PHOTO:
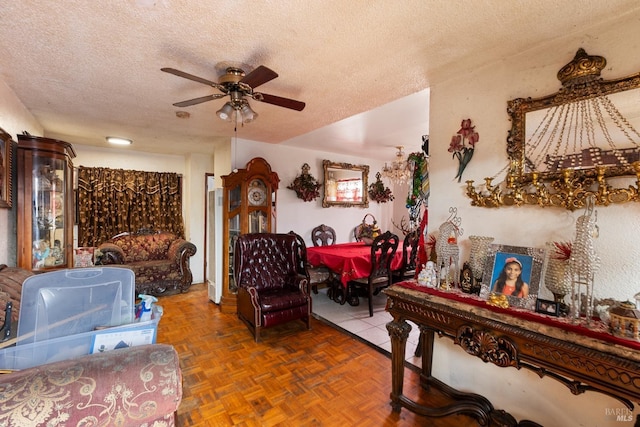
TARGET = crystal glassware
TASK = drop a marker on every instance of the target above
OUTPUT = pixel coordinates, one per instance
(478, 256)
(557, 277)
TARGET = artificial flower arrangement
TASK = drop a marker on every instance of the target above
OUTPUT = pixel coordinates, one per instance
(463, 144)
(378, 192)
(561, 251)
(305, 185)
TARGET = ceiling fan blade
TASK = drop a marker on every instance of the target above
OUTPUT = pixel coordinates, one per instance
(198, 100)
(280, 101)
(259, 76)
(192, 77)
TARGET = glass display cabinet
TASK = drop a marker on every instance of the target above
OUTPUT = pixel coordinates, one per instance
(45, 203)
(249, 206)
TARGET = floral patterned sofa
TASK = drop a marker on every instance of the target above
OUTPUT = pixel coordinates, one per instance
(135, 386)
(159, 259)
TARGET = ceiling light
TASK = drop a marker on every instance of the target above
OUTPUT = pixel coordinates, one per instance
(226, 112)
(118, 141)
(248, 115)
(398, 171)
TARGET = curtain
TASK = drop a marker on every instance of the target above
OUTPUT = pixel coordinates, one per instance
(112, 201)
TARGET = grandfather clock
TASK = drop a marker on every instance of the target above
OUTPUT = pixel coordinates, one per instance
(249, 206)
(45, 203)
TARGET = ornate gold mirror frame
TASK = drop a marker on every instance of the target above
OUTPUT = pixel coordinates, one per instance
(345, 185)
(573, 144)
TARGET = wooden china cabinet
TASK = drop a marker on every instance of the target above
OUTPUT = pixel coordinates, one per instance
(249, 206)
(45, 203)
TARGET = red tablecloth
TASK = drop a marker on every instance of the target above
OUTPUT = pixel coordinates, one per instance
(349, 260)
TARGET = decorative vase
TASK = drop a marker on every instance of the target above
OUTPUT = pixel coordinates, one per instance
(557, 277)
(478, 256)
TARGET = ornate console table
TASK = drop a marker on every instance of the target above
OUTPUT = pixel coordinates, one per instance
(593, 361)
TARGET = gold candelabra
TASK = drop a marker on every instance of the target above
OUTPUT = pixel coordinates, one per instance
(570, 188)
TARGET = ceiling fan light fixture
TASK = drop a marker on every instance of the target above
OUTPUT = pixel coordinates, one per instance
(239, 87)
(226, 112)
(248, 115)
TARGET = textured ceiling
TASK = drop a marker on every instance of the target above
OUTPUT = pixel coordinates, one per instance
(87, 69)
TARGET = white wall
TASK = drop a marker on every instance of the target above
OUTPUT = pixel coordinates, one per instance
(14, 119)
(300, 216)
(482, 95)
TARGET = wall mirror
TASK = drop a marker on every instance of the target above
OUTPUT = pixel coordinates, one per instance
(580, 142)
(345, 185)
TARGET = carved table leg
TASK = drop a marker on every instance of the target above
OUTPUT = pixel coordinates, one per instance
(398, 332)
(470, 404)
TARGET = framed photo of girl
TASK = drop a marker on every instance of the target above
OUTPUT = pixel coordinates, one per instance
(6, 153)
(515, 272)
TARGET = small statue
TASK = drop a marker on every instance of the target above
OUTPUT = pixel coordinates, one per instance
(428, 276)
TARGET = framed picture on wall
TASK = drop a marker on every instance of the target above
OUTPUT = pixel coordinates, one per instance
(6, 160)
(515, 272)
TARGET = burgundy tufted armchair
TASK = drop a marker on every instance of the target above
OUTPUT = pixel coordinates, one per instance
(270, 289)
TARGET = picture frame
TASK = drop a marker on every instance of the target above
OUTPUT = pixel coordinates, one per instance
(6, 162)
(531, 261)
(467, 282)
(548, 307)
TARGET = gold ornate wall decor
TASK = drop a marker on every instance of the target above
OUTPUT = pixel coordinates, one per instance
(579, 142)
(345, 185)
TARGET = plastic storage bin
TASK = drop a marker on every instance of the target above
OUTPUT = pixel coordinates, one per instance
(68, 347)
(74, 301)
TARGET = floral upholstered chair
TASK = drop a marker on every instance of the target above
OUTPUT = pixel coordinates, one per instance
(134, 386)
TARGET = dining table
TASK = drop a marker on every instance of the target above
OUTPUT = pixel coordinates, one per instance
(348, 261)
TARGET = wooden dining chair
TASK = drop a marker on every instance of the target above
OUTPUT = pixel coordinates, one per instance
(323, 235)
(407, 269)
(383, 249)
(315, 275)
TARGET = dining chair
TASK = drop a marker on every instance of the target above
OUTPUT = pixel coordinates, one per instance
(315, 275)
(407, 269)
(323, 235)
(383, 249)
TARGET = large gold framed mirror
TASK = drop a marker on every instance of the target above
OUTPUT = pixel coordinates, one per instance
(345, 185)
(578, 143)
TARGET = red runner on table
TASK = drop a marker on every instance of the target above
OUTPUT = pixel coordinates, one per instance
(600, 332)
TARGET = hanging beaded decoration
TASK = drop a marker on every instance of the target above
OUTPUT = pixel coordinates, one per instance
(584, 264)
(447, 251)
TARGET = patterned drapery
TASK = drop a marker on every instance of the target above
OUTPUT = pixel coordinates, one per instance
(112, 201)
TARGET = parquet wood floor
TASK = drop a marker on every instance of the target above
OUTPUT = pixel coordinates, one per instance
(293, 377)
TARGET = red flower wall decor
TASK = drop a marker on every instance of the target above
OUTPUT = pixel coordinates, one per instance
(462, 145)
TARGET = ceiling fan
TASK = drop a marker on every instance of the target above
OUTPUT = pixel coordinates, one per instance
(238, 86)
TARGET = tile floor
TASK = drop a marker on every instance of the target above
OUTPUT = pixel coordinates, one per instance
(356, 321)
